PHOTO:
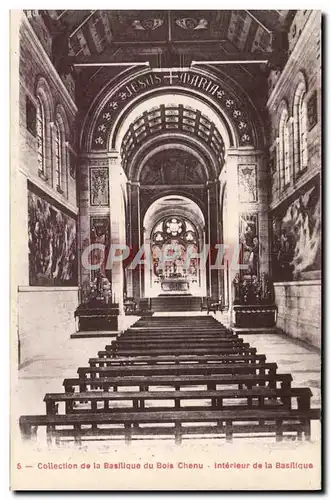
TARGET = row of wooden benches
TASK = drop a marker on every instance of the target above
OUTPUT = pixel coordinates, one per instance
(135, 366)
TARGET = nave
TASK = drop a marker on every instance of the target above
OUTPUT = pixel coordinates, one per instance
(179, 377)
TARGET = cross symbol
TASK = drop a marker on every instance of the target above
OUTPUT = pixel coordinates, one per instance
(170, 76)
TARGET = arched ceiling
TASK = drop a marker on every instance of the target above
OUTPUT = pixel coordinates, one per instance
(173, 205)
(167, 118)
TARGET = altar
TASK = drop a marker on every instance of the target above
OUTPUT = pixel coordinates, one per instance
(173, 284)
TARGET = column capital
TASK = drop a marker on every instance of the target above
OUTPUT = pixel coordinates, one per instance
(134, 183)
(210, 184)
(243, 151)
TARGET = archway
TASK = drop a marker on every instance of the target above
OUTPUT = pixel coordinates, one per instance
(174, 232)
(184, 141)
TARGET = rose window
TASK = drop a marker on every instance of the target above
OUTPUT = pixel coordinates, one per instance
(174, 227)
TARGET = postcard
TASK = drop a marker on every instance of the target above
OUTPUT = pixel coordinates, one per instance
(166, 243)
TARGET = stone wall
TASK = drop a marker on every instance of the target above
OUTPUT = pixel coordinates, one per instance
(45, 320)
(299, 301)
(299, 309)
(304, 64)
(42, 316)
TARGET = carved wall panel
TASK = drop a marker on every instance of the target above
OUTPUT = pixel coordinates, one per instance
(247, 183)
(99, 186)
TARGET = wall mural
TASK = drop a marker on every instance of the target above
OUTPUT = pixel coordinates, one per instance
(100, 233)
(99, 186)
(52, 244)
(296, 239)
(249, 240)
(247, 183)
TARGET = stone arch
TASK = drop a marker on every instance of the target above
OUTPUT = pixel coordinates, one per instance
(42, 90)
(166, 142)
(121, 95)
(61, 121)
(300, 131)
(44, 94)
(61, 117)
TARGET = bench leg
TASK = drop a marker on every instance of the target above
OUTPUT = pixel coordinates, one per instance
(26, 431)
(82, 386)
(135, 404)
(51, 408)
(228, 430)
(77, 434)
(279, 432)
(69, 407)
(307, 429)
(303, 403)
(219, 403)
(49, 434)
(128, 433)
(178, 433)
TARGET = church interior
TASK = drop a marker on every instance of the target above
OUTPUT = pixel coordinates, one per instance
(166, 214)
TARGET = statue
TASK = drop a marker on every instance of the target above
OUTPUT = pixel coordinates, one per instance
(236, 286)
(253, 260)
(266, 289)
(100, 288)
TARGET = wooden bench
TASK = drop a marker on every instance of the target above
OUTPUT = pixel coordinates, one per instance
(208, 381)
(179, 336)
(177, 330)
(175, 360)
(243, 349)
(108, 371)
(233, 339)
(225, 423)
(173, 344)
(149, 351)
(258, 397)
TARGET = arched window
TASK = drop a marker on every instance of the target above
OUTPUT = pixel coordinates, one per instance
(284, 149)
(58, 156)
(300, 127)
(44, 117)
(286, 139)
(40, 126)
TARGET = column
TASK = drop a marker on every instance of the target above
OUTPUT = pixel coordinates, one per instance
(214, 238)
(135, 236)
(231, 222)
(94, 205)
(247, 196)
(117, 224)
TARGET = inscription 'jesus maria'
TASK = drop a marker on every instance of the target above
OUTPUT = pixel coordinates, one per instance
(178, 77)
(174, 77)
